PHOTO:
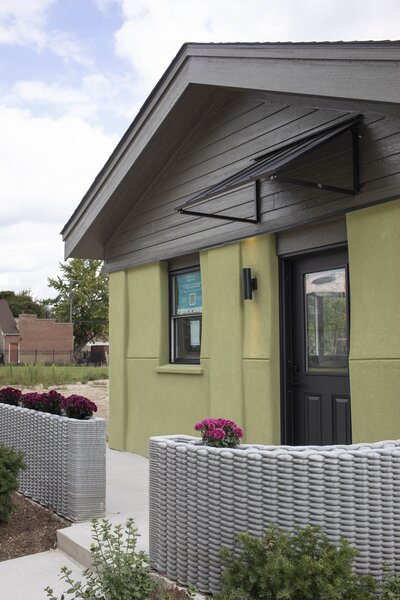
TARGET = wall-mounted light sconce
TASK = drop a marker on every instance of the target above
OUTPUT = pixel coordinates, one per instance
(249, 284)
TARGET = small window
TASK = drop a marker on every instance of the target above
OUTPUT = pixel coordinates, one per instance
(186, 309)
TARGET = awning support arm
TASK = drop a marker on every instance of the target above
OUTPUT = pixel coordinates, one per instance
(330, 188)
(256, 206)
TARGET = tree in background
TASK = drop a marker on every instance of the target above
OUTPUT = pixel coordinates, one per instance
(82, 298)
(23, 303)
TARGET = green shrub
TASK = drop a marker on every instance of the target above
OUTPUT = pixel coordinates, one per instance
(303, 565)
(11, 463)
(118, 571)
(390, 587)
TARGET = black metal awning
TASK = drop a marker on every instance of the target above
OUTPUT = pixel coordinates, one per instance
(271, 164)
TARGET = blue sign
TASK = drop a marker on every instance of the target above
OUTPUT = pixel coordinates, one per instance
(189, 297)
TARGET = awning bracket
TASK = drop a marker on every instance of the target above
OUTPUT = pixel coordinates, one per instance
(330, 188)
(270, 167)
(256, 207)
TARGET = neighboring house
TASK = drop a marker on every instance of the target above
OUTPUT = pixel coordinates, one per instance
(96, 351)
(279, 158)
(9, 335)
(27, 339)
(45, 340)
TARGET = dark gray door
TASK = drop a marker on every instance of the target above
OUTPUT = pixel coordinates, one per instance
(317, 378)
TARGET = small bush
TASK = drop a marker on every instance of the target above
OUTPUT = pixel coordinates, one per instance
(10, 395)
(299, 566)
(78, 407)
(390, 586)
(118, 571)
(11, 463)
(49, 402)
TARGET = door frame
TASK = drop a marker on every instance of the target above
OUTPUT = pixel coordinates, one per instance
(285, 334)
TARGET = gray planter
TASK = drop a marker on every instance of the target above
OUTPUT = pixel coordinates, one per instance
(200, 497)
(66, 469)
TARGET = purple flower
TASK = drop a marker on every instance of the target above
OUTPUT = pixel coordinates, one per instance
(218, 433)
(78, 407)
(237, 431)
(10, 395)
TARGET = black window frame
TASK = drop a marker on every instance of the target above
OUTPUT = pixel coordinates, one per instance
(173, 317)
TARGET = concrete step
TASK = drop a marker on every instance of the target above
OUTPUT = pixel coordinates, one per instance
(26, 577)
(76, 540)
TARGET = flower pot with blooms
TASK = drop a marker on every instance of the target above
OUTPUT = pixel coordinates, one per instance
(219, 433)
(78, 407)
(10, 395)
(49, 402)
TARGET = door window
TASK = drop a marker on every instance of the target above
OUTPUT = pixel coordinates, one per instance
(327, 328)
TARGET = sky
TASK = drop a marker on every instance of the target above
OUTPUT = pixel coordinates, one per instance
(74, 73)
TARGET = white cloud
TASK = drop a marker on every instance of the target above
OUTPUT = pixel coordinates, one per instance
(101, 99)
(67, 47)
(30, 253)
(45, 168)
(47, 164)
(105, 5)
(154, 30)
(23, 21)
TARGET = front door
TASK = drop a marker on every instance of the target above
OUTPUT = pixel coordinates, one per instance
(316, 339)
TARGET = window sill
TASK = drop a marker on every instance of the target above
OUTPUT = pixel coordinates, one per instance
(181, 369)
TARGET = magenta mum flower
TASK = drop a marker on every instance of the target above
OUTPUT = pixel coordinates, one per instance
(220, 433)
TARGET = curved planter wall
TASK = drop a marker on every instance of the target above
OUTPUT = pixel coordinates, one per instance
(65, 458)
(200, 497)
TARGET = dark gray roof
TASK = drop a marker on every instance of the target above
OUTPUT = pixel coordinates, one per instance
(319, 70)
(7, 321)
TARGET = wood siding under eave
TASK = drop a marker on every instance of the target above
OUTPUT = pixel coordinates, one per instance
(238, 129)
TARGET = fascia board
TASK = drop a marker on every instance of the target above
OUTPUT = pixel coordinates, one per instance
(363, 51)
(364, 81)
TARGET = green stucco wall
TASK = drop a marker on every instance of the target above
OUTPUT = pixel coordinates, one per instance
(239, 372)
(374, 257)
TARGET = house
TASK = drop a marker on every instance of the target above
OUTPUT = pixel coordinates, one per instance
(250, 223)
(45, 340)
(96, 351)
(9, 334)
(28, 339)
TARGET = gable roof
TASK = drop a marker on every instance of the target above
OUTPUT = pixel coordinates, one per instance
(365, 72)
(7, 321)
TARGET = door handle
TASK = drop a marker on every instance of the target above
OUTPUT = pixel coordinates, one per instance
(296, 384)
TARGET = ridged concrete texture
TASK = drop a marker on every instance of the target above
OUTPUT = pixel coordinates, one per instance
(201, 496)
(65, 459)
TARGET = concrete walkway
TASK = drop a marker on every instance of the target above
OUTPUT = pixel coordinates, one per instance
(127, 496)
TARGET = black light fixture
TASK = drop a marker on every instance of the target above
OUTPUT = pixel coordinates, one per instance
(249, 284)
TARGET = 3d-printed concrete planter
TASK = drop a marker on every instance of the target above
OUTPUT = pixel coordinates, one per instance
(200, 497)
(65, 459)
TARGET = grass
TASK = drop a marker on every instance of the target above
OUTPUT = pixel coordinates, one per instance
(32, 375)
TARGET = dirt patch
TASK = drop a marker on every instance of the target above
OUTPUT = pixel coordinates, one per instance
(31, 529)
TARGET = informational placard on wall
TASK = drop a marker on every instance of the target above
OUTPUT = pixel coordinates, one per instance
(189, 296)
(195, 332)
